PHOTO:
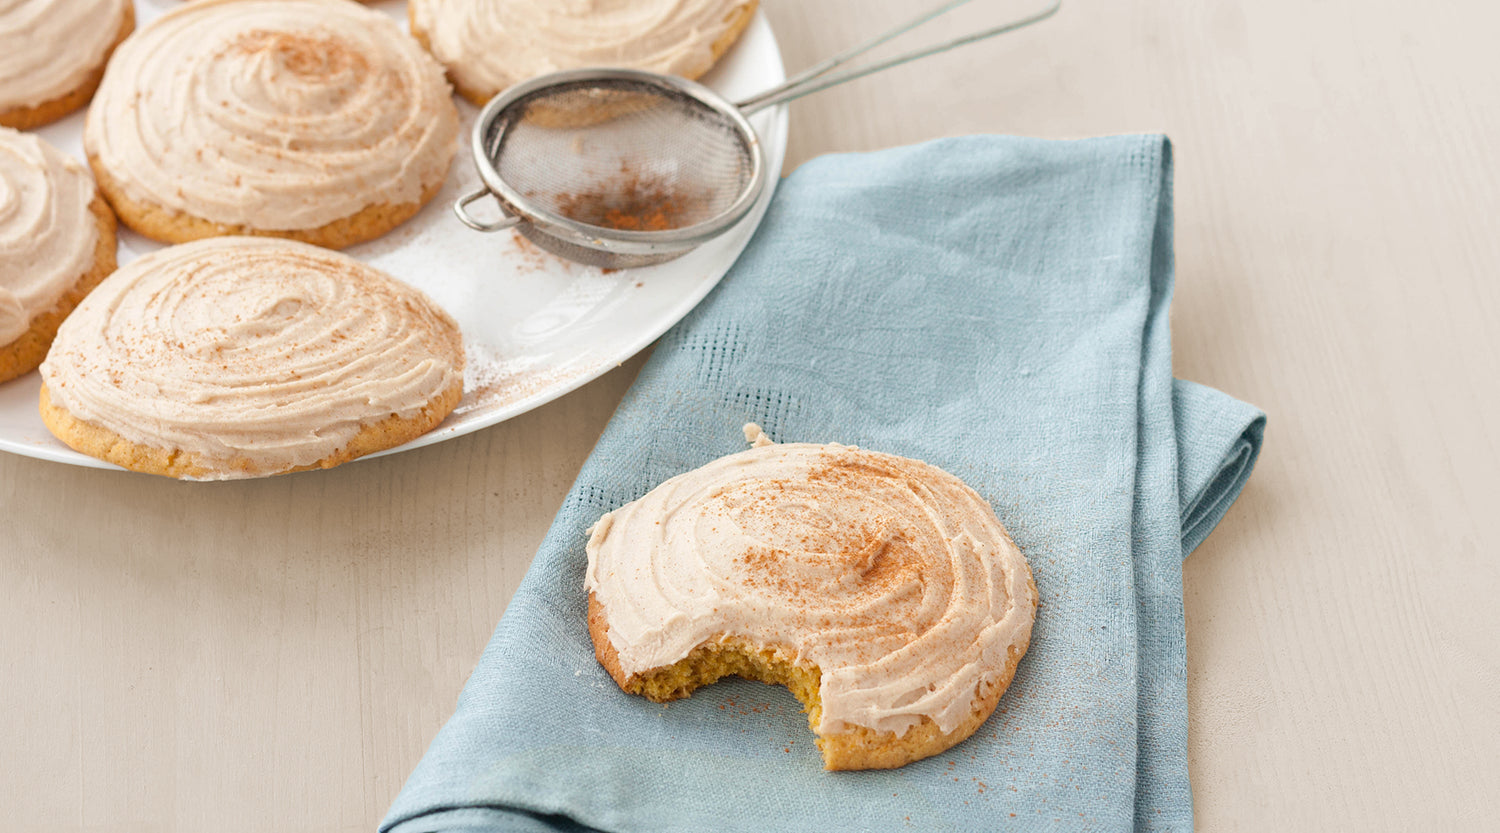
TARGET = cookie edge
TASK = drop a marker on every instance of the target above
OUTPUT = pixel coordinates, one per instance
(104, 444)
(860, 747)
(167, 225)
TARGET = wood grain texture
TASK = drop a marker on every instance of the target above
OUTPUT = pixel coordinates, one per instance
(277, 654)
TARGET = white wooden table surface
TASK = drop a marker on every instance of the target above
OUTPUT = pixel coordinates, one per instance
(276, 655)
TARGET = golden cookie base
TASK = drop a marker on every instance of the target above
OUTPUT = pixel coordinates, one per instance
(857, 747)
(100, 442)
(171, 226)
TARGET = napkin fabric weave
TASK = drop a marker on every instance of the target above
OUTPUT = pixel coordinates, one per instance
(996, 307)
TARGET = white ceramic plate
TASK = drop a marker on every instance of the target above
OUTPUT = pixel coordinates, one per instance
(535, 327)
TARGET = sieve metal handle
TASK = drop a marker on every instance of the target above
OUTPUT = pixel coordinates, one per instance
(813, 78)
(460, 207)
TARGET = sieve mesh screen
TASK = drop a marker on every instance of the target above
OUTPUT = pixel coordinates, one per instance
(620, 154)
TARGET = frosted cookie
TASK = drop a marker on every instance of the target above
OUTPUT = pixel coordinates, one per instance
(881, 590)
(244, 356)
(489, 45)
(57, 242)
(315, 120)
(52, 55)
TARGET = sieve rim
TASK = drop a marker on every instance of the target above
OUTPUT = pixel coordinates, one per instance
(600, 238)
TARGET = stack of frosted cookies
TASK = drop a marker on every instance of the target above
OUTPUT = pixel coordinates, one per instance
(241, 131)
(57, 235)
(244, 355)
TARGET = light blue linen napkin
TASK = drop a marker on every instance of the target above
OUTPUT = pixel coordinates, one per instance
(996, 307)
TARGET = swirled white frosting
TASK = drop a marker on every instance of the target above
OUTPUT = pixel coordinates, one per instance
(489, 45)
(889, 574)
(273, 114)
(49, 47)
(47, 233)
(254, 349)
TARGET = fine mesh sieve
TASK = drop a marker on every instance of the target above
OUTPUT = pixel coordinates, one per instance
(622, 168)
(615, 168)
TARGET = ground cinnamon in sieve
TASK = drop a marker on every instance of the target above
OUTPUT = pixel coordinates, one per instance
(632, 203)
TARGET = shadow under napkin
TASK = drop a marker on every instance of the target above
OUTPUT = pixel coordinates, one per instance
(994, 306)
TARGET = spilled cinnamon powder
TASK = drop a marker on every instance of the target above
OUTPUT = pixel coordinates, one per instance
(307, 55)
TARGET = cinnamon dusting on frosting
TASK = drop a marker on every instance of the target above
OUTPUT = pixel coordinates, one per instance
(253, 349)
(273, 114)
(890, 575)
(313, 57)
